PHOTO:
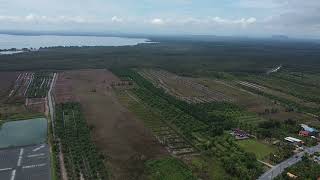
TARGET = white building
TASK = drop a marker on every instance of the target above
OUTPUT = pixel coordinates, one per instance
(293, 140)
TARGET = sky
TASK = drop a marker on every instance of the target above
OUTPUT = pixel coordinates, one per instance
(296, 18)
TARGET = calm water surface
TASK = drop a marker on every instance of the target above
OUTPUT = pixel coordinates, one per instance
(24, 132)
(20, 41)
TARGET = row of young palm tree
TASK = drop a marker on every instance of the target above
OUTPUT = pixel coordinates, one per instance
(81, 157)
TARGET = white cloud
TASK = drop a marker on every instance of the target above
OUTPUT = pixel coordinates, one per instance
(157, 21)
(251, 20)
(242, 21)
(116, 19)
(204, 22)
(169, 22)
(32, 18)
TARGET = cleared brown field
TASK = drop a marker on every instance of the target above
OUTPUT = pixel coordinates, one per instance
(6, 83)
(116, 131)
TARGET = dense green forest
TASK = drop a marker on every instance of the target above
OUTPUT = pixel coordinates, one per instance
(189, 57)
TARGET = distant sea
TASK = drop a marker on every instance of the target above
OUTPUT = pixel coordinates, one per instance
(21, 41)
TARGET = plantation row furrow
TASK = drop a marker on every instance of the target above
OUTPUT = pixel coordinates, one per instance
(81, 158)
(40, 85)
(165, 132)
(291, 105)
(183, 122)
(204, 94)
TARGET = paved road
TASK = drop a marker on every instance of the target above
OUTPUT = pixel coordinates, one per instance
(278, 169)
(25, 163)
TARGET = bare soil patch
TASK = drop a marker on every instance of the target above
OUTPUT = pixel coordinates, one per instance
(115, 130)
(6, 83)
(36, 104)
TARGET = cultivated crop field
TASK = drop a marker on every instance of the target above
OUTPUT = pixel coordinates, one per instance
(184, 88)
(202, 125)
(13, 86)
(166, 133)
(23, 93)
(21, 84)
(40, 85)
(279, 94)
(200, 90)
(252, 101)
(81, 157)
(295, 90)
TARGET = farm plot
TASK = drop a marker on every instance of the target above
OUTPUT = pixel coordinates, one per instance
(277, 94)
(202, 125)
(81, 157)
(39, 86)
(36, 104)
(24, 93)
(115, 131)
(183, 88)
(253, 102)
(11, 105)
(174, 142)
(21, 84)
(291, 86)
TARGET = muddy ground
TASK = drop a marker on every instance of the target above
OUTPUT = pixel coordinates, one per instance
(7, 80)
(115, 130)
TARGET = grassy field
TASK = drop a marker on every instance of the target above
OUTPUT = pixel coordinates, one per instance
(212, 166)
(261, 150)
(168, 169)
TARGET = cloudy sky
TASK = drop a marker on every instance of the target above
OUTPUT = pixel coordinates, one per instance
(299, 18)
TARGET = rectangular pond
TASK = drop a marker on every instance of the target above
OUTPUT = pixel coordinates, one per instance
(23, 132)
